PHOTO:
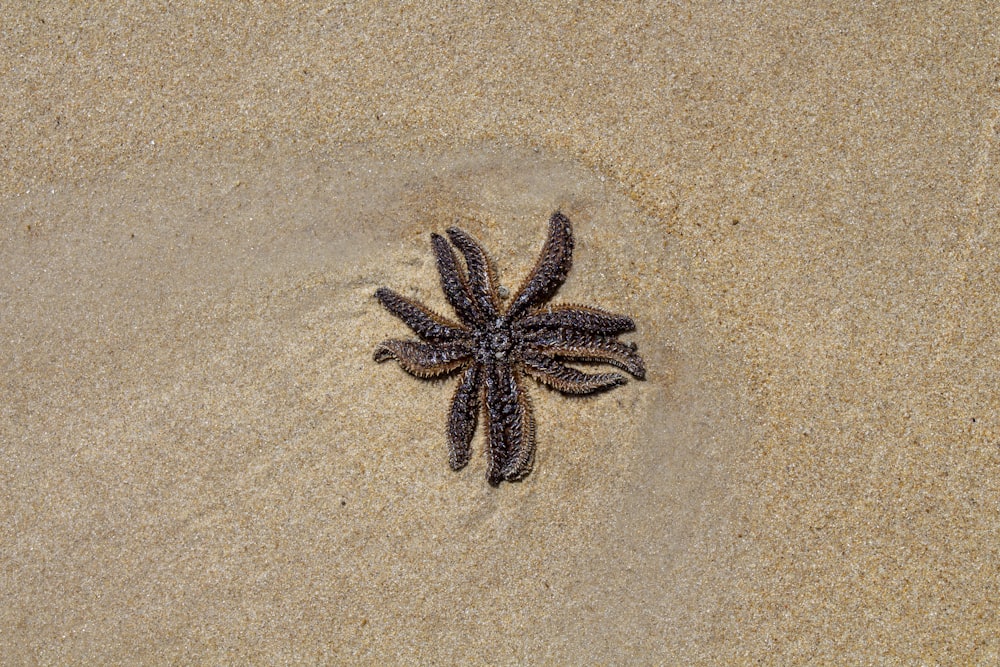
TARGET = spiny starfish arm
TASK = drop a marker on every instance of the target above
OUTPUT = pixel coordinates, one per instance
(482, 277)
(569, 344)
(566, 379)
(586, 319)
(551, 268)
(424, 360)
(496, 411)
(462, 418)
(454, 282)
(522, 436)
(425, 322)
(511, 426)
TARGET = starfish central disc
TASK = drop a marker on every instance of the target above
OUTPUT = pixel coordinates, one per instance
(496, 342)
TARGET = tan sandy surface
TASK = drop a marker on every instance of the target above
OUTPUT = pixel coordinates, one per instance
(201, 463)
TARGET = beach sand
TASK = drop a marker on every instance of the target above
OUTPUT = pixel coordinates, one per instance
(202, 463)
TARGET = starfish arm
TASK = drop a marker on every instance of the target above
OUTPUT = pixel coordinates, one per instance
(566, 379)
(424, 360)
(482, 278)
(462, 418)
(454, 283)
(586, 319)
(551, 268)
(511, 426)
(522, 436)
(425, 322)
(497, 409)
(569, 344)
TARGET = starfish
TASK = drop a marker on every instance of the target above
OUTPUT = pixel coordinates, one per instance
(495, 347)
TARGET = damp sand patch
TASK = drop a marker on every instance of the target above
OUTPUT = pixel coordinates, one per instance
(204, 460)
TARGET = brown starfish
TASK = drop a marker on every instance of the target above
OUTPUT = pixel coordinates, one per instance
(495, 347)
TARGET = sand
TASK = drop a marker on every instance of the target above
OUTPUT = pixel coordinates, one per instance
(201, 463)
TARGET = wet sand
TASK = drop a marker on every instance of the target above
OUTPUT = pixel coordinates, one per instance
(202, 463)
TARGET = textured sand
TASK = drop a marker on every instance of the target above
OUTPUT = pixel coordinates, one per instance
(202, 464)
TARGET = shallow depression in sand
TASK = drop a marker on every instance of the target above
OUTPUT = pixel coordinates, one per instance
(199, 441)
